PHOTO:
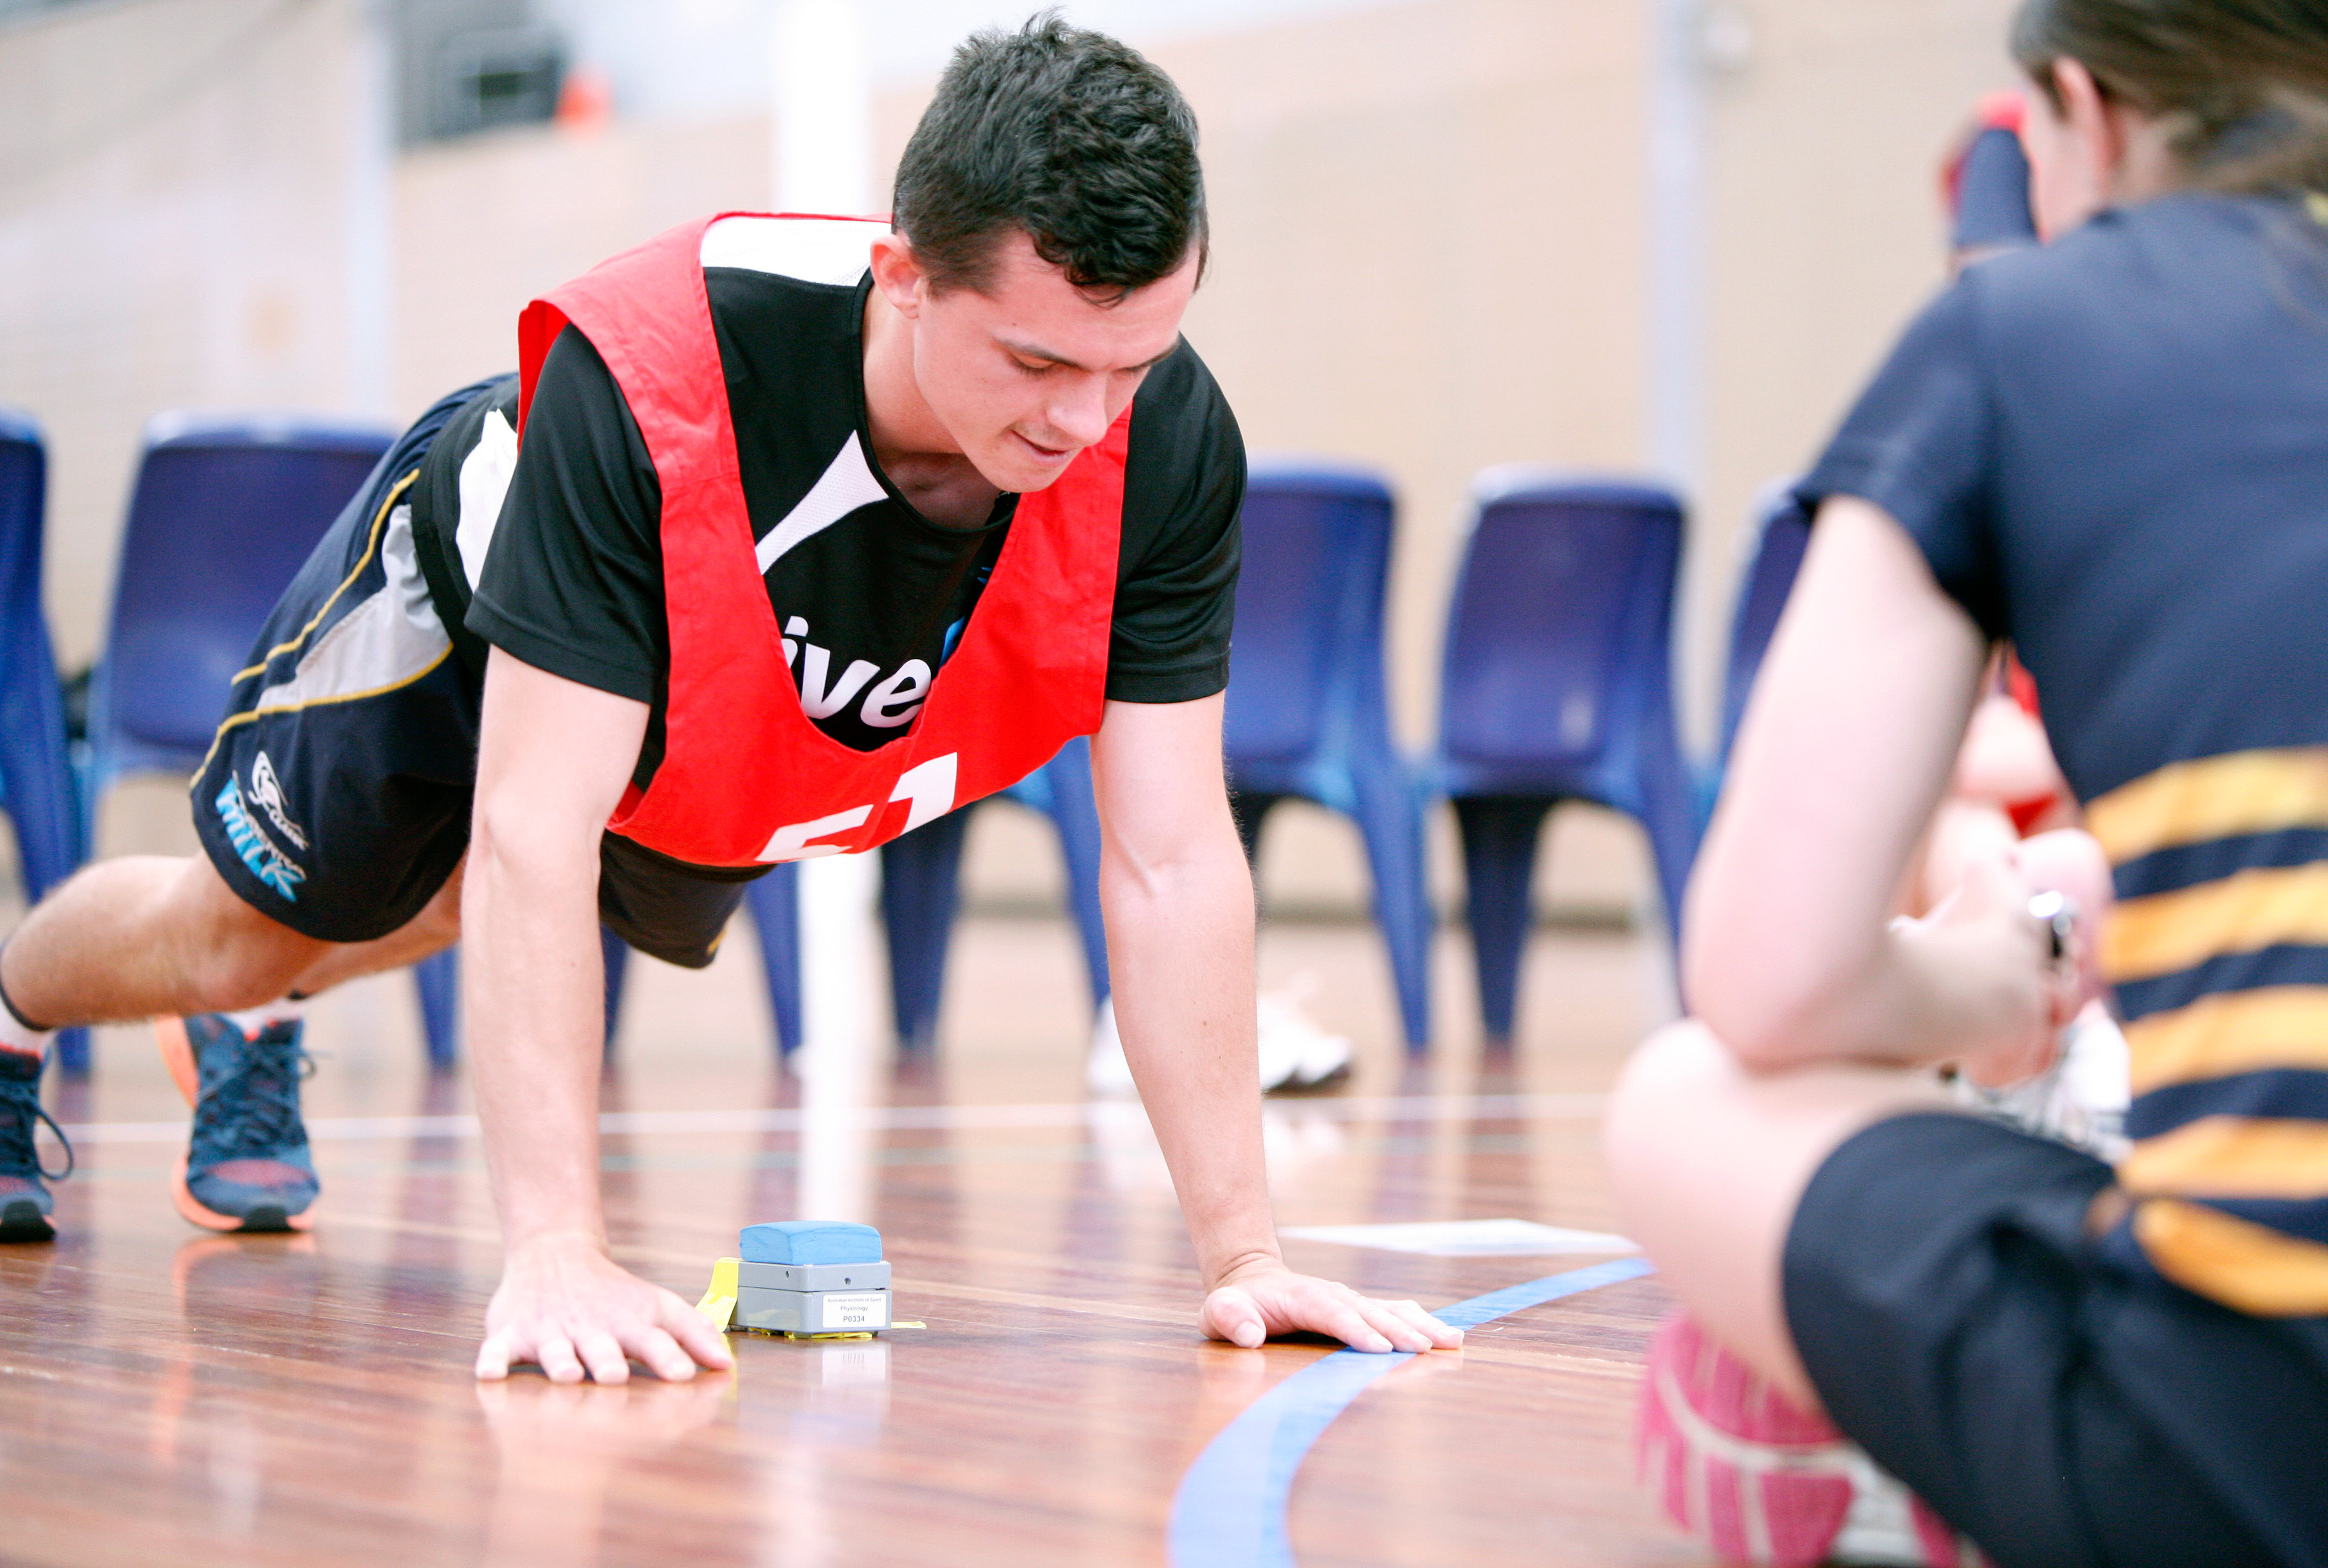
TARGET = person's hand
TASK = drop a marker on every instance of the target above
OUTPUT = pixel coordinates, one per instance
(1266, 1298)
(2002, 956)
(566, 1307)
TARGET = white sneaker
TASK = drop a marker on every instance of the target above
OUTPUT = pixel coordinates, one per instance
(1107, 1075)
(1295, 1053)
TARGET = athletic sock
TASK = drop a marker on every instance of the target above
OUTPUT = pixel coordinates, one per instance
(250, 1020)
(19, 1036)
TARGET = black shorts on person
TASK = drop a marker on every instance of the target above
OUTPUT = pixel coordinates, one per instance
(336, 797)
(1961, 1327)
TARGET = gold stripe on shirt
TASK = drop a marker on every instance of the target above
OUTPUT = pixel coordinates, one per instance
(2232, 1157)
(2242, 912)
(2246, 1266)
(2231, 1032)
(2213, 797)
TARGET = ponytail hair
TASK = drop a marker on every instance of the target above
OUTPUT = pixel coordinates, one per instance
(2243, 84)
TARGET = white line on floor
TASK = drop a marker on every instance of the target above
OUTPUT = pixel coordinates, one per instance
(906, 1118)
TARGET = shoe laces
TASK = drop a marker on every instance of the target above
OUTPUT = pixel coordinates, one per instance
(250, 1099)
(19, 1148)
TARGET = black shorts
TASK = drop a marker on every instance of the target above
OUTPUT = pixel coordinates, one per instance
(1961, 1326)
(336, 797)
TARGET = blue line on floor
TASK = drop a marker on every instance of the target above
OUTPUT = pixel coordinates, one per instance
(1230, 1510)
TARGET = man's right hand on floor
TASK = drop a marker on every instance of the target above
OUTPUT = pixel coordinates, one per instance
(566, 1307)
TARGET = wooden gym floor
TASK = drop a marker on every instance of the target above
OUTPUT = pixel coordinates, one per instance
(171, 1396)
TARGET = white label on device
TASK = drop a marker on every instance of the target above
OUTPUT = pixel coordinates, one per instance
(865, 1310)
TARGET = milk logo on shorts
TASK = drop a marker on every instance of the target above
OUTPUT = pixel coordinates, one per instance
(260, 853)
(267, 791)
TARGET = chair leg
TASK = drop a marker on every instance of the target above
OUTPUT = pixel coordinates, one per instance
(774, 899)
(920, 876)
(1390, 815)
(1075, 813)
(437, 977)
(615, 955)
(1250, 808)
(1674, 829)
(1500, 847)
(71, 1051)
(36, 775)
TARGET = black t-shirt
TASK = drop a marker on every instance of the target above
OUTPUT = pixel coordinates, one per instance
(870, 594)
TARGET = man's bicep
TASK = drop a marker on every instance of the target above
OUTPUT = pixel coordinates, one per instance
(1156, 767)
(552, 754)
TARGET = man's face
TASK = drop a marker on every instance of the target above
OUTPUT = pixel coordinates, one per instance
(1031, 370)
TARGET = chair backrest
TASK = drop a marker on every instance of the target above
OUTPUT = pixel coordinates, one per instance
(225, 510)
(1309, 608)
(1557, 642)
(1782, 533)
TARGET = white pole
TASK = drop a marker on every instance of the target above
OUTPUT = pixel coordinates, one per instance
(823, 121)
(1678, 245)
(821, 126)
(1674, 435)
(370, 228)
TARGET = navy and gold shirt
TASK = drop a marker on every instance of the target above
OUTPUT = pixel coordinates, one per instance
(2113, 452)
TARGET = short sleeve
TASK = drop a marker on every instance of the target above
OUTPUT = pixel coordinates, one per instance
(573, 580)
(1176, 582)
(1921, 444)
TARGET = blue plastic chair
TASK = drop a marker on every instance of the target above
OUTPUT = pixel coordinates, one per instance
(920, 890)
(1557, 685)
(36, 781)
(1308, 715)
(225, 511)
(1782, 533)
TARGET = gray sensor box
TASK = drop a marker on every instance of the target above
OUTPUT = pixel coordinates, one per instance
(859, 1312)
(812, 1276)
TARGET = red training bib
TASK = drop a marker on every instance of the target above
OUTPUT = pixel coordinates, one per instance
(745, 776)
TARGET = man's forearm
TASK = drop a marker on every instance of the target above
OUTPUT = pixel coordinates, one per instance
(533, 988)
(1180, 952)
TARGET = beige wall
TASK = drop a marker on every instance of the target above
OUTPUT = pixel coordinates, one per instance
(173, 233)
(1824, 232)
(1431, 245)
(484, 225)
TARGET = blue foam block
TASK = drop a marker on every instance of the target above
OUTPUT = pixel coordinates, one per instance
(811, 1241)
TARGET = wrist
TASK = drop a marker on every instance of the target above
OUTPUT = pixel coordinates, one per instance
(1228, 1269)
(552, 1240)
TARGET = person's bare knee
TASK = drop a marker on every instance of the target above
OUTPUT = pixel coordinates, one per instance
(233, 956)
(1709, 1160)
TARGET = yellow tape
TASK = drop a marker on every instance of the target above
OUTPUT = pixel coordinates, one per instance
(718, 1303)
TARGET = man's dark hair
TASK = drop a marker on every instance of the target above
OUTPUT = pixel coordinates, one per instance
(1063, 133)
(2245, 82)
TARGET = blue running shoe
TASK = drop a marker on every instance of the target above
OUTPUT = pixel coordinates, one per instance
(247, 1168)
(24, 1197)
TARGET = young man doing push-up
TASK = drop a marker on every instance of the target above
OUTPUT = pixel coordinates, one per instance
(793, 557)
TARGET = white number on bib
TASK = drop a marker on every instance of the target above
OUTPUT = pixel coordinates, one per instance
(928, 788)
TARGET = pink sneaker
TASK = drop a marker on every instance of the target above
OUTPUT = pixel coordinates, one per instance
(1737, 1465)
